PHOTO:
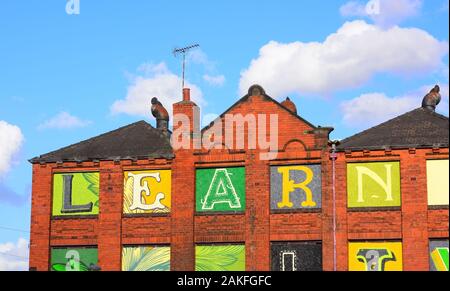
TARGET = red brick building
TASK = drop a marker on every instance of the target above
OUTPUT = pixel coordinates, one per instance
(313, 206)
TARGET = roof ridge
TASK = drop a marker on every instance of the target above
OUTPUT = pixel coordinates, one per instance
(245, 97)
(93, 138)
(440, 115)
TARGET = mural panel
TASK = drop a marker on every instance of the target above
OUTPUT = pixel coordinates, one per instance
(439, 255)
(296, 256)
(220, 258)
(220, 189)
(73, 259)
(374, 184)
(295, 187)
(75, 194)
(375, 256)
(147, 191)
(146, 258)
(437, 182)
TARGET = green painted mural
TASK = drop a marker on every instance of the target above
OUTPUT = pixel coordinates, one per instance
(374, 184)
(73, 259)
(75, 194)
(146, 258)
(221, 189)
(220, 258)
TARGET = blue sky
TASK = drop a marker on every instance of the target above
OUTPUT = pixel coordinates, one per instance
(65, 78)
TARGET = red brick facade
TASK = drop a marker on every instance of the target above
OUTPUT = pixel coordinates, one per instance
(414, 223)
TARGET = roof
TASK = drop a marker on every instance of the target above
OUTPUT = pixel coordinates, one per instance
(419, 128)
(260, 91)
(138, 140)
(135, 141)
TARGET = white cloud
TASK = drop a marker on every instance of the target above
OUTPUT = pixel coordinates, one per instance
(157, 81)
(218, 80)
(64, 120)
(11, 138)
(353, 8)
(384, 13)
(373, 108)
(197, 56)
(346, 59)
(14, 257)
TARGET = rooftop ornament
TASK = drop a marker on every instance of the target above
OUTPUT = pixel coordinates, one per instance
(432, 99)
(161, 114)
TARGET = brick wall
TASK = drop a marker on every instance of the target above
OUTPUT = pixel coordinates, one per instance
(413, 223)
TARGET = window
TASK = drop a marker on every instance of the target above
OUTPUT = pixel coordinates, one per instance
(147, 191)
(295, 187)
(375, 256)
(375, 184)
(220, 189)
(229, 257)
(74, 259)
(76, 194)
(146, 258)
(437, 182)
(296, 256)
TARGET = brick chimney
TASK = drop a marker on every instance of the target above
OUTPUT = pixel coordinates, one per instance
(185, 126)
(187, 109)
(186, 94)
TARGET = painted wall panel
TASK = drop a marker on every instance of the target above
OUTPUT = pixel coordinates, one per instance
(220, 189)
(220, 258)
(374, 184)
(73, 259)
(375, 256)
(147, 191)
(295, 187)
(75, 194)
(439, 255)
(296, 256)
(146, 258)
(437, 182)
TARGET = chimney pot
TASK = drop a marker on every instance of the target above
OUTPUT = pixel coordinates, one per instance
(186, 94)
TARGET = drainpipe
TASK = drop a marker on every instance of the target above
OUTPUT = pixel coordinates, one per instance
(333, 156)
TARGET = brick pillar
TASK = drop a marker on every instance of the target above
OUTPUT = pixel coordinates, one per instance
(341, 214)
(327, 214)
(40, 217)
(182, 249)
(257, 213)
(414, 213)
(110, 216)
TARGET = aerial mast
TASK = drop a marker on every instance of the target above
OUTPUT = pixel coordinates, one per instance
(183, 51)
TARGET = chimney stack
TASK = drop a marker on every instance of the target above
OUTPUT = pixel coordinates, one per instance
(186, 94)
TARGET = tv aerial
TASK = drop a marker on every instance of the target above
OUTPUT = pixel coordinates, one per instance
(183, 51)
